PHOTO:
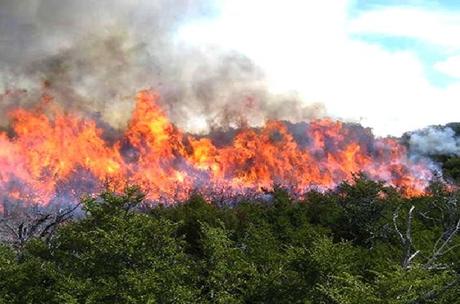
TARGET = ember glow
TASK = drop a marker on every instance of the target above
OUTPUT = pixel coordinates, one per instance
(50, 156)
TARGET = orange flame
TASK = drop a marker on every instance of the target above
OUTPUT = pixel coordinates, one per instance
(59, 156)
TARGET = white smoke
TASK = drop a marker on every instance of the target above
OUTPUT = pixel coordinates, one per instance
(93, 56)
(435, 141)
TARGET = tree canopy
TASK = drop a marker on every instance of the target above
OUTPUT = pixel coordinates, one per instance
(361, 243)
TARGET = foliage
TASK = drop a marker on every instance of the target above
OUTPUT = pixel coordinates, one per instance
(343, 246)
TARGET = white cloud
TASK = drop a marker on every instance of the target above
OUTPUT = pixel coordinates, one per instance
(450, 66)
(308, 46)
(437, 27)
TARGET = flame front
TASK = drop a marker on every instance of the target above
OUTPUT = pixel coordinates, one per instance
(58, 156)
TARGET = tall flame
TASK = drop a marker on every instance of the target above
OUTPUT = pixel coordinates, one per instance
(56, 157)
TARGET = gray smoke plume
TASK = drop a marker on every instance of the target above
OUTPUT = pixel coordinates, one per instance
(93, 56)
(434, 141)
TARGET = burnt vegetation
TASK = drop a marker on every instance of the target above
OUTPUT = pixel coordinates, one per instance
(361, 243)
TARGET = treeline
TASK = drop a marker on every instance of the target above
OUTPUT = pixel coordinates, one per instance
(362, 243)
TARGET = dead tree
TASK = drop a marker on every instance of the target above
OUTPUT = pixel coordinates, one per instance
(16, 230)
(440, 248)
(406, 240)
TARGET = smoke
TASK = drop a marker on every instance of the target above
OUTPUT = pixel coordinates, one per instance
(434, 141)
(92, 57)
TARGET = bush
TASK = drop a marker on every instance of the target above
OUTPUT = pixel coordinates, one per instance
(343, 246)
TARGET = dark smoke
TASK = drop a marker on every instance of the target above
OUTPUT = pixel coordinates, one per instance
(92, 57)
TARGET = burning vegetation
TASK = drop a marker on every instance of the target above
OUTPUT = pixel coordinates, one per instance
(51, 156)
(326, 212)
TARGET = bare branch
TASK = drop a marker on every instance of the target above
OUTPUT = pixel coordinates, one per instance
(18, 229)
(406, 240)
(395, 217)
(441, 250)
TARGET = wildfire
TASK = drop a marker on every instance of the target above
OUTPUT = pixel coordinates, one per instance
(56, 157)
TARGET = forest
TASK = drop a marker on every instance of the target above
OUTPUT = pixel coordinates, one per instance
(225, 151)
(363, 242)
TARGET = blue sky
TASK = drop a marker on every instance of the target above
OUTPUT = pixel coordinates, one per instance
(428, 53)
(391, 65)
